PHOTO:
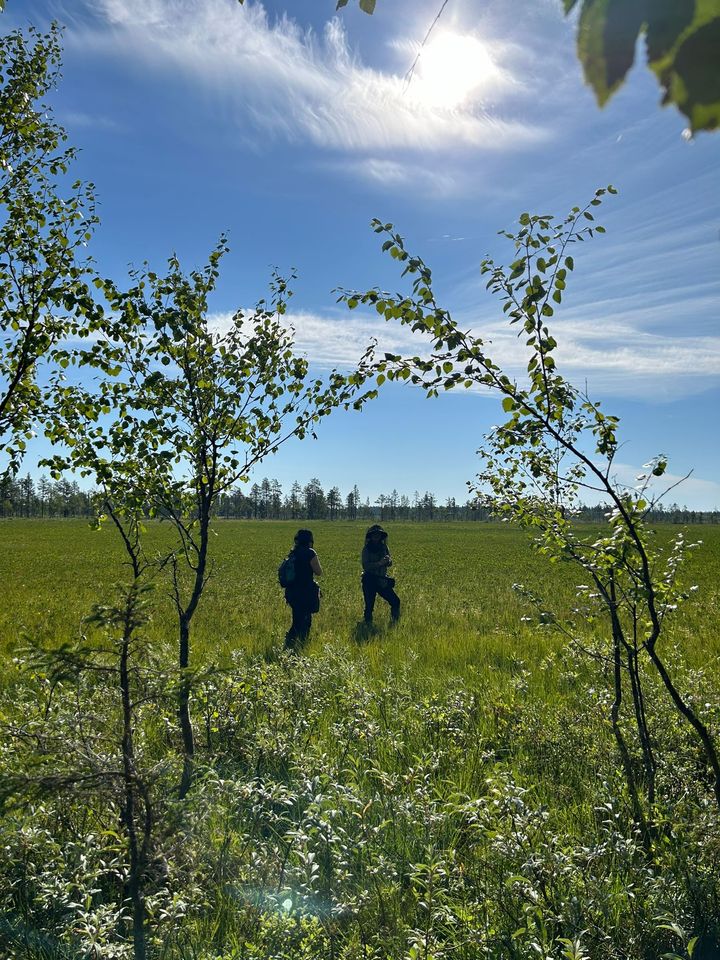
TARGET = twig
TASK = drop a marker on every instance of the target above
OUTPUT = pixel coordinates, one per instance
(411, 71)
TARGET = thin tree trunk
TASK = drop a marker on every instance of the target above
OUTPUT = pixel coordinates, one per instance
(186, 616)
(641, 722)
(636, 689)
(625, 757)
(186, 729)
(137, 866)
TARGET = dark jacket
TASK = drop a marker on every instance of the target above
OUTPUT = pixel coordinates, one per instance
(303, 570)
(373, 557)
(303, 591)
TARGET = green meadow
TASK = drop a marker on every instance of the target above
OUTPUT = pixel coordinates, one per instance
(455, 580)
(445, 788)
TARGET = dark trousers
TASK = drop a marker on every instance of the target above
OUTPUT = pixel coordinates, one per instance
(376, 586)
(301, 619)
(299, 628)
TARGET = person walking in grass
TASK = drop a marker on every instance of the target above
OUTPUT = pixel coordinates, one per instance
(376, 560)
(302, 595)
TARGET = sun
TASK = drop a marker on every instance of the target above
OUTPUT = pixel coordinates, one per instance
(450, 68)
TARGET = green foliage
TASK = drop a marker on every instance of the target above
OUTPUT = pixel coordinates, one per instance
(368, 6)
(180, 412)
(45, 225)
(682, 40)
(191, 408)
(555, 446)
(345, 812)
(451, 782)
(54, 571)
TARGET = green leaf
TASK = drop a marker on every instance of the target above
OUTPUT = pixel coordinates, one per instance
(669, 20)
(607, 34)
(693, 80)
(508, 404)
(683, 39)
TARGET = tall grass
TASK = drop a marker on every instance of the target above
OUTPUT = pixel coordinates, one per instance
(446, 788)
(455, 581)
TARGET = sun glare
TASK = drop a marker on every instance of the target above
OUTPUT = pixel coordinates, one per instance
(450, 68)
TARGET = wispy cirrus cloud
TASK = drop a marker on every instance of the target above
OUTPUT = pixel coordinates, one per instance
(294, 83)
(393, 174)
(339, 340)
(640, 313)
(76, 119)
(617, 360)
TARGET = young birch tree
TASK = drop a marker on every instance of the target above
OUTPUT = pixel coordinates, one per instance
(45, 223)
(556, 445)
(185, 409)
(84, 737)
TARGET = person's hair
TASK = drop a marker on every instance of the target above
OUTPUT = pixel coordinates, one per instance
(304, 538)
(375, 529)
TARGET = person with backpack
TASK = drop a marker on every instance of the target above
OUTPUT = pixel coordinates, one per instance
(375, 580)
(296, 575)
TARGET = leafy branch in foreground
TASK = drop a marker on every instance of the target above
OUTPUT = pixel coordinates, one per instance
(44, 226)
(556, 446)
(183, 409)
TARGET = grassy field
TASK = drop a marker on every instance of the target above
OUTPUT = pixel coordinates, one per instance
(447, 789)
(455, 581)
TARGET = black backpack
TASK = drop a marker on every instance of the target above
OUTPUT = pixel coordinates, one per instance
(286, 571)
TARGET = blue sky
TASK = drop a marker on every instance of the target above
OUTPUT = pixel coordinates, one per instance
(291, 127)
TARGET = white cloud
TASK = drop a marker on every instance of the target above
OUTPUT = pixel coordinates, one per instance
(95, 121)
(293, 83)
(339, 341)
(617, 360)
(392, 174)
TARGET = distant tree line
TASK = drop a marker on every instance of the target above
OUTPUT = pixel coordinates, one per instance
(24, 497)
(672, 513)
(265, 500)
